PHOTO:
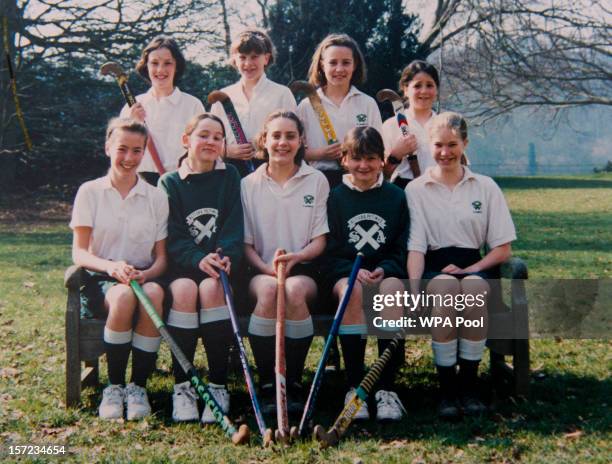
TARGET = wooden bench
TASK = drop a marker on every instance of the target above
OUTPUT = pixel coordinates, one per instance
(84, 337)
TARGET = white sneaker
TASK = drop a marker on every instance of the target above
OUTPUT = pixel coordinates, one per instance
(222, 396)
(388, 406)
(362, 412)
(184, 403)
(137, 402)
(111, 406)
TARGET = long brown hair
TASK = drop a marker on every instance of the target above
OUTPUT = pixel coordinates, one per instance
(316, 76)
(262, 151)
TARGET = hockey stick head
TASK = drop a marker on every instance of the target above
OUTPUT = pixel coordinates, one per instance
(217, 96)
(302, 87)
(324, 438)
(241, 436)
(112, 68)
(387, 95)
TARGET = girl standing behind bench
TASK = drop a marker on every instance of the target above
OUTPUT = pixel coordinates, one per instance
(119, 223)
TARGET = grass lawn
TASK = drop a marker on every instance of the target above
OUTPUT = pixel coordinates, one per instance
(565, 230)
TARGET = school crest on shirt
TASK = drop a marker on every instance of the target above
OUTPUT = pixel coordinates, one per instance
(477, 207)
(308, 201)
(367, 229)
(361, 119)
(202, 223)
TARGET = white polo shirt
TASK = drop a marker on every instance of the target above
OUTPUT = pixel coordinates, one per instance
(267, 97)
(286, 217)
(391, 132)
(357, 109)
(472, 214)
(123, 229)
(166, 120)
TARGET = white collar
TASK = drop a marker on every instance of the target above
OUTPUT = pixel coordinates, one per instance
(185, 170)
(346, 180)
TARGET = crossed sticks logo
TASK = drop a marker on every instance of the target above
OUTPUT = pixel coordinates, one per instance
(202, 223)
(309, 201)
(362, 119)
(367, 229)
(477, 206)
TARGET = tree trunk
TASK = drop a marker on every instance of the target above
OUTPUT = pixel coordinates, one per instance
(8, 120)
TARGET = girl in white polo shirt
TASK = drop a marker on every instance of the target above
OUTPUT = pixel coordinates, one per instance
(120, 226)
(419, 84)
(284, 203)
(453, 214)
(337, 67)
(164, 108)
(254, 96)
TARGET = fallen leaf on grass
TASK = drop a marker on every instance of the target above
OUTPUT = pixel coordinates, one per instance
(394, 444)
(418, 460)
(573, 435)
(9, 322)
(28, 284)
(6, 372)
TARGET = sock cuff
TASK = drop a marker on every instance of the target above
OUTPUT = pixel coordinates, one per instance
(117, 338)
(471, 350)
(299, 329)
(261, 326)
(183, 320)
(445, 353)
(144, 343)
(352, 329)
(220, 313)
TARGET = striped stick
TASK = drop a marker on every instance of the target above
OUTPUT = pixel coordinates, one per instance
(238, 436)
(344, 420)
(266, 434)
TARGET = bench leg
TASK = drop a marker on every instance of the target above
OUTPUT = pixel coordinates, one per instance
(73, 361)
(521, 367)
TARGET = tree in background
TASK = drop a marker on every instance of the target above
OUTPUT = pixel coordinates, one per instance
(382, 28)
(57, 48)
(501, 55)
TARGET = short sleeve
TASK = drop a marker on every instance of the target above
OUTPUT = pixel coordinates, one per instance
(83, 210)
(418, 233)
(161, 209)
(500, 228)
(248, 225)
(288, 100)
(320, 225)
(374, 115)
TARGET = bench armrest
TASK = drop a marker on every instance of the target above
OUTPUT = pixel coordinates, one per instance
(74, 278)
(514, 268)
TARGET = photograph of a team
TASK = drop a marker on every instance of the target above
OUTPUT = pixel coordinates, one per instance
(288, 204)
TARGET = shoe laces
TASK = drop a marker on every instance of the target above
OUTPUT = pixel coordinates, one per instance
(390, 399)
(113, 393)
(186, 392)
(136, 393)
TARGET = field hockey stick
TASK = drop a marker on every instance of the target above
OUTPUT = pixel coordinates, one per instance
(115, 70)
(359, 397)
(266, 434)
(238, 436)
(234, 121)
(317, 105)
(318, 378)
(398, 108)
(283, 434)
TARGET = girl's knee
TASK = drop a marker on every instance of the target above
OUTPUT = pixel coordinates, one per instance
(391, 285)
(184, 294)
(154, 291)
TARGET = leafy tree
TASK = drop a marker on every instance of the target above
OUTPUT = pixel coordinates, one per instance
(384, 31)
